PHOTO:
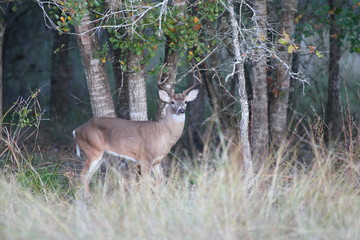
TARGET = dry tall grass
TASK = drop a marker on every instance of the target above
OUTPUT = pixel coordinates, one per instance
(320, 202)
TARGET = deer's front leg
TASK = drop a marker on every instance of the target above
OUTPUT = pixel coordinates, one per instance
(145, 171)
(158, 173)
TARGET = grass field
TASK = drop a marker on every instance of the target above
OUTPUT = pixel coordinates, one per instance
(321, 201)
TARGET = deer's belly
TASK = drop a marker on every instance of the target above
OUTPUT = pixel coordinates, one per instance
(122, 156)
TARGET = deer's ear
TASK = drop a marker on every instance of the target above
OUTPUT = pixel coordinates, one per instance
(192, 95)
(164, 96)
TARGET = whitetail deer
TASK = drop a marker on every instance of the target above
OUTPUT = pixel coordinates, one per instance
(145, 142)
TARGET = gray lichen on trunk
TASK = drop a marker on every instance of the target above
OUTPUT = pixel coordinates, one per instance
(98, 84)
(244, 120)
(281, 84)
(259, 106)
(137, 88)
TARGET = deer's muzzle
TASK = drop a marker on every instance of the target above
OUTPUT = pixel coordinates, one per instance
(181, 111)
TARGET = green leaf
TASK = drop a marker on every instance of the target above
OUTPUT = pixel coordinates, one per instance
(283, 41)
(319, 54)
(292, 48)
(355, 49)
(96, 3)
(14, 8)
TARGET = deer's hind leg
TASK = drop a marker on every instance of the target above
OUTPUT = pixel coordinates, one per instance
(92, 164)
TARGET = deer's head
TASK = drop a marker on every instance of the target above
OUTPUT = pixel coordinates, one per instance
(179, 101)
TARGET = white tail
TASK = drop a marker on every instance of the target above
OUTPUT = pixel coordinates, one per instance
(78, 152)
(144, 142)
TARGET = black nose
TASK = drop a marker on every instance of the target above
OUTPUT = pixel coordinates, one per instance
(181, 111)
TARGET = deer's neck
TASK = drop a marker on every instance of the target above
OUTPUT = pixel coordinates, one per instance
(174, 123)
(178, 118)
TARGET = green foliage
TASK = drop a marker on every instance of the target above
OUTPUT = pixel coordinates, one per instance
(42, 179)
(316, 19)
(25, 113)
(209, 10)
(102, 53)
(67, 13)
(14, 7)
(143, 26)
(136, 37)
(286, 41)
(20, 123)
(348, 18)
(181, 27)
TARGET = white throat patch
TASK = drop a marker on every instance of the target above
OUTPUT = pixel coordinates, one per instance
(179, 118)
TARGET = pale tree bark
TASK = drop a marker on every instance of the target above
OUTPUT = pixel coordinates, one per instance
(137, 88)
(97, 81)
(130, 84)
(244, 120)
(333, 117)
(281, 84)
(259, 106)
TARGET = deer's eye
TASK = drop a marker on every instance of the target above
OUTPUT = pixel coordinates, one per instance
(172, 102)
(186, 102)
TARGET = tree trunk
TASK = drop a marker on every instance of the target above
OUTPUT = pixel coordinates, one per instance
(195, 122)
(171, 60)
(130, 84)
(98, 84)
(2, 34)
(60, 77)
(244, 120)
(122, 105)
(168, 77)
(137, 88)
(333, 117)
(121, 86)
(259, 106)
(280, 89)
(293, 86)
(223, 104)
